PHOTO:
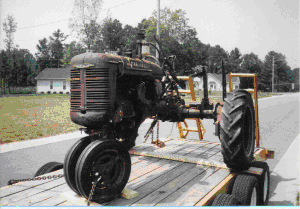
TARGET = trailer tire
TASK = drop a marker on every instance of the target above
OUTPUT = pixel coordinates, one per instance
(226, 200)
(237, 130)
(263, 182)
(48, 168)
(246, 190)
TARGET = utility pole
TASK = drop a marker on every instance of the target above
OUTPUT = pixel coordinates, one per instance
(158, 27)
(273, 75)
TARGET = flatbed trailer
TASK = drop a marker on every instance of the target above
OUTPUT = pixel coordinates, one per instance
(183, 173)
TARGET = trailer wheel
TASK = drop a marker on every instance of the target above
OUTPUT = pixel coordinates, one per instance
(263, 181)
(48, 168)
(105, 159)
(237, 130)
(246, 190)
(71, 159)
(226, 200)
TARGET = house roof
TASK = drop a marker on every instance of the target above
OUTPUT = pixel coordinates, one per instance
(54, 73)
(219, 77)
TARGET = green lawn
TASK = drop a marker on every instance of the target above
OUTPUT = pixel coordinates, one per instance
(32, 117)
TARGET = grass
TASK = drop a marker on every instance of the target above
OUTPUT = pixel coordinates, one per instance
(33, 117)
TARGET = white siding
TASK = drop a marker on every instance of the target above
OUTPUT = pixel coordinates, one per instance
(44, 86)
(215, 83)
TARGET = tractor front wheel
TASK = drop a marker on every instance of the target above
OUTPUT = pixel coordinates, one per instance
(237, 130)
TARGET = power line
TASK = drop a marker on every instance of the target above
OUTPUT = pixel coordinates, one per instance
(34, 26)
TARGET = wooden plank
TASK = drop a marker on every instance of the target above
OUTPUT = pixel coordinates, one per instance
(21, 186)
(151, 186)
(152, 147)
(176, 195)
(53, 201)
(161, 193)
(34, 199)
(65, 203)
(195, 190)
(155, 173)
(147, 177)
(188, 159)
(219, 189)
(74, 199)
(188, 150)
(53, 186)
(144, 167)
(136, 159)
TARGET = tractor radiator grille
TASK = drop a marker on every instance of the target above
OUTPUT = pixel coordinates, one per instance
(95, 92)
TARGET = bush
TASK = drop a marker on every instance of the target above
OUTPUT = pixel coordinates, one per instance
(48, 92)
(42, 92)
(61, 92)
(68, 92)
(54, 92)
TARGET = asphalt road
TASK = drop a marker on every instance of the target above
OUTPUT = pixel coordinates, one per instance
(278, 119)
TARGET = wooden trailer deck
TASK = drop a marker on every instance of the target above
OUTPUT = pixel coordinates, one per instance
(169, 176)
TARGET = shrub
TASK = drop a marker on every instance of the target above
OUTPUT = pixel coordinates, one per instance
(61, 92)
(68, 92)
(54, 92)
(48, 92)
(42, 92)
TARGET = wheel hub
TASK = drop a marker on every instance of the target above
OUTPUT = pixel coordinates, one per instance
(108, 166)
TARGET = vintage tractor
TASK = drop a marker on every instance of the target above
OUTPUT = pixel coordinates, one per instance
(112, 95)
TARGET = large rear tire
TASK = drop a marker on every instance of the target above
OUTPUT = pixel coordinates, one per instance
(237, 130)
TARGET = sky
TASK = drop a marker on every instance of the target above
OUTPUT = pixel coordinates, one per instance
(257, 26)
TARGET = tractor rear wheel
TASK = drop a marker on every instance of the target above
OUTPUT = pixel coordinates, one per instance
(237, 130)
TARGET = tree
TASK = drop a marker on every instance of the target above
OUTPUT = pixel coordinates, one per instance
(112, 34)
(281, 69)
(71, 50)
(44, 54)
(84, 21)
(177, 38)
(9, 27)
(252, 64)
(234, 61)
(216, 55)
(56, 48)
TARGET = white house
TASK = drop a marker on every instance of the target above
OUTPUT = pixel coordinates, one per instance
(214, 82)
(53, 80)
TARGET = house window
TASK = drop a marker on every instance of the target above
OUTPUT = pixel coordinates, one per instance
(64, 85)
(236, 86)
(51, 84)
(212, 85)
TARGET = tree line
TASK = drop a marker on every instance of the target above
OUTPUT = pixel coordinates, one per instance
(19, 67)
